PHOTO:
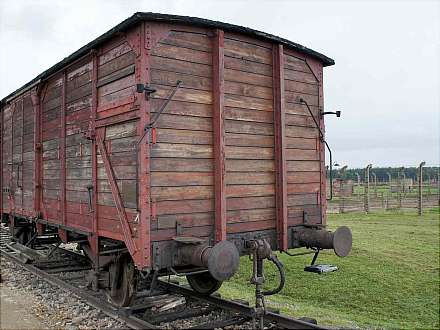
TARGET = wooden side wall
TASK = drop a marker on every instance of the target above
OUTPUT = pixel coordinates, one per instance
(302, 140)
(182, 155)
(249, 135)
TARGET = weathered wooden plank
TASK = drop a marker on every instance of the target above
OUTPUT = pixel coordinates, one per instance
(121, 159)
(166, 135)
(301, 143)
(302, 154)
(303, 177)
(301, 109)
(185, 220)
(184, 206)
(233, 152)
(249, 140)
(129, 70)
(248, 102)
(113, 53)
(197, 41)
(168, 64)
(180, 193)
(299, 120)
(182, 53)
(243, 89)
(239, 165)
(296, 86)
(116, 86)
(183, 94)
(161, 150)
(295, 63)
(250, 178)
(250, 190)
(299, 131)
(249, 216)
(121, 172)
(121, 130)
(80, 104)
(248, 115)
(73, 173)
(303, 165)
(183, 108)
(177, 179)
(168, 78)
(249, 203)
(181, 165)
(243, 227)
(244, 50)
(116, 64)
(302, 199)
(235, 126)
(248, 66)
(299, 188)
(294, 97)
(185, 122)
(248, 78)
(304, 77)
(109, 99)
(79, 92)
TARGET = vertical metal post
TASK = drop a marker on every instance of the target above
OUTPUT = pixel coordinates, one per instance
(401, 184)
(420, 192)
(366, 188)
(280, 157)
(143, 39)
(62, 154)
(94, 239)
(358, 186)
(219, 135)
(36, 103)
(375, 184)
(1, 161)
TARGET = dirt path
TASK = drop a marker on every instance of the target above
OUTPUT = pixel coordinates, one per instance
(15, 313)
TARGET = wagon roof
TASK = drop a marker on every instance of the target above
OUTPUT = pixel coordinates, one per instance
(147, 16)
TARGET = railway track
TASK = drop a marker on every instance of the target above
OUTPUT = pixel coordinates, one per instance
(173, 306)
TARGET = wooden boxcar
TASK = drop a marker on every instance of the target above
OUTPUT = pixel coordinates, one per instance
(233, 156)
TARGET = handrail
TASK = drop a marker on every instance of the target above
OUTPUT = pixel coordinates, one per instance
(321, 136)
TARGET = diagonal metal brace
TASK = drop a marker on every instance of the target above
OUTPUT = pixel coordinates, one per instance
(128, 236)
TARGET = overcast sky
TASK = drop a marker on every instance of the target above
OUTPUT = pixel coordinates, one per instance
(386, 79)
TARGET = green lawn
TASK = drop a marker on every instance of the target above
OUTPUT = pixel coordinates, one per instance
(390, 280)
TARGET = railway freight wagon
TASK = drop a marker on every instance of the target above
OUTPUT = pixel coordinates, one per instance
(171, 145)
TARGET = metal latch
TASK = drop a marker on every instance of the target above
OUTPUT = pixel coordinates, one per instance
(146, 89)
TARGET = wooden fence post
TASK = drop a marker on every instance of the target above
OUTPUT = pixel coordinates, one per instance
(366, 188)
(420, 194)
(375, 184)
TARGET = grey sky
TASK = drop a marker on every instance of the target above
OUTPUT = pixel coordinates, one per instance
(386, 79)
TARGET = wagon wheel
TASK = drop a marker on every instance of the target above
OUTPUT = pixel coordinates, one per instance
(203, 283)
(123, 281)
(22, 235)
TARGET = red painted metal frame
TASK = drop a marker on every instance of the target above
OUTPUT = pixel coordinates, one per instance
(12, 196)
(62, 150)
(128, 236)
(317, 70)
(1, 160)
(36, 103)
(280, 158)
(142, 43)
(21, 157)
(218, 64)
(94, 238)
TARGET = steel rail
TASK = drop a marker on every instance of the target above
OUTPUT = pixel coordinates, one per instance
(131, 321)
(244, 312)
(281, 320)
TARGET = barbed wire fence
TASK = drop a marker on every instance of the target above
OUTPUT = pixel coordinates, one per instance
(367, 193)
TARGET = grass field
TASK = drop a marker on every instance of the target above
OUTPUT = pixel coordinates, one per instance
(390, 280)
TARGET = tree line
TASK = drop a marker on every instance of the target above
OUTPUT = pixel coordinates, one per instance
(429, 173)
